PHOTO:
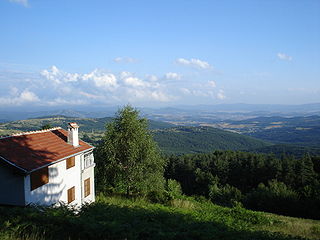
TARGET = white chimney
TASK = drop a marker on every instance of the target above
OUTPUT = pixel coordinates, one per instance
(73, 137)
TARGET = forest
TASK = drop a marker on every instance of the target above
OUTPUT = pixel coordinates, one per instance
(286, 185)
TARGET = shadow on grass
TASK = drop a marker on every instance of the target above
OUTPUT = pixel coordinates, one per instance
(108, 221)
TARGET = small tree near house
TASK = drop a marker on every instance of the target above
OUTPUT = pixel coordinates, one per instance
(128, 159)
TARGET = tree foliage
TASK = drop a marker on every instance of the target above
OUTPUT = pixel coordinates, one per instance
(46, 126)
(285, 185)
(128, 159)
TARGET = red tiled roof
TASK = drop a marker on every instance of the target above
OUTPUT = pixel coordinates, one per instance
(33, 150)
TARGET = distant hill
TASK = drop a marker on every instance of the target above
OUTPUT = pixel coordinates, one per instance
(181, 140)
(86, 124)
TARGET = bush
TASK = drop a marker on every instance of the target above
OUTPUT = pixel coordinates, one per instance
(275, 197)
(173, 189)
(227, 195)
(157, 196)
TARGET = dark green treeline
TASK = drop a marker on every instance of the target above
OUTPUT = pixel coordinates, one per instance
(285, 185)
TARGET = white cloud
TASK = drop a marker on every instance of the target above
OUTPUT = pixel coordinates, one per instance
(221, 95)
(172, 76)
(194, 63)
(124, 60)
(160, 96)
(58, 76)
(62, 101)
(284, 57)
(145, 95)
(134, 82)
(196, 92)
(129, 79)
(14, 91)
(185, 91)
(125, 74)
(212, 84)
(94, 84)
(22, 2)
(152, 78)
(54, 87)
(101, 79)
(88, 95)
(27, 96)
(24, 97)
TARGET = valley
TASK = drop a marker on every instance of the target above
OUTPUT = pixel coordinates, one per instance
(291, 135)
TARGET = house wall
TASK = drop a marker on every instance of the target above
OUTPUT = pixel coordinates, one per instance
(60, 180)
(56, 190)
(11, 185)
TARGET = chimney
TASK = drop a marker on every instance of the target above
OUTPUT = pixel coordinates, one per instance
(73, 137)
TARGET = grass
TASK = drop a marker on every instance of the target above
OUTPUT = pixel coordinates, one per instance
(306, 228)
(121, 218)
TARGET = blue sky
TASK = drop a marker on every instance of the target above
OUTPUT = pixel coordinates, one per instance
(159, 53)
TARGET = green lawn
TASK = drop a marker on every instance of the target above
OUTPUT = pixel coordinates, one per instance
(120, 218)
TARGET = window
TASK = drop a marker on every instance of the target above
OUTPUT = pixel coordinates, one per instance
(88, 159)
(87, 187)
(39, 178)
(70, 162)
(71, 194)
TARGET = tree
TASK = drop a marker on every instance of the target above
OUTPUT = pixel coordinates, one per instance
(305, 173)
(46, 126)
(128, 159)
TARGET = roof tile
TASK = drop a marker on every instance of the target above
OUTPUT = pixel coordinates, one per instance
(32, 151)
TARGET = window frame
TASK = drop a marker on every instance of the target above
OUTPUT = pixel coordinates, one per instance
(70, 162)
(88, 160)
(87, 187)
(71, 194)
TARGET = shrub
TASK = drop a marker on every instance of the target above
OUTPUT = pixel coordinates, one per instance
(226, 195)
(275, 197)
(173, 189)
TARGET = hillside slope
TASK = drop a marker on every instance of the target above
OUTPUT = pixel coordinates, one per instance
(119, 218)
(181, 140)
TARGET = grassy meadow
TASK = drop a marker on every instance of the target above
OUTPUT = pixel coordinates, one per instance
(116, 217)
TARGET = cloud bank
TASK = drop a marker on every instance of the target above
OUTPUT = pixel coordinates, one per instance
(55, 87)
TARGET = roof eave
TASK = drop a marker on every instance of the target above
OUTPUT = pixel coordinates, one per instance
(14, 165)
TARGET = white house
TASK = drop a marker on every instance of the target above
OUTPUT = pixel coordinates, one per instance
(46, 167)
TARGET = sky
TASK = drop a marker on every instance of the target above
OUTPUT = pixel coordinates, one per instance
(158, 53)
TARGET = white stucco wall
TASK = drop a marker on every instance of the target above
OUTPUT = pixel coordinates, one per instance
(60, 180)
